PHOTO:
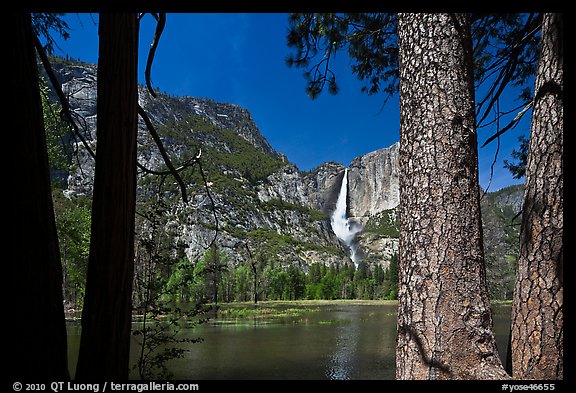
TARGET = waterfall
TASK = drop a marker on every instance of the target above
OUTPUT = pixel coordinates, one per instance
(342, 227)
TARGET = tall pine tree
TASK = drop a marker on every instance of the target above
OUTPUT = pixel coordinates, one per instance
(107, 313)
(537, 339)
(37, 347)
(445, 328)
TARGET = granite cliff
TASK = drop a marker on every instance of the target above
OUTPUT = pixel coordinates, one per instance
(373, 183)
(261, 199)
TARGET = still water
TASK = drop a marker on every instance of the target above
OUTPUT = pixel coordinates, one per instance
(333, 341)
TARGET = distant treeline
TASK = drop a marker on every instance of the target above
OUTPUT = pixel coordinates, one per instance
(221, 282)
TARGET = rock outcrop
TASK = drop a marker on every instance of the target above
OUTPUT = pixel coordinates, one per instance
(260, 199)
(317, 189)
(373, 184)
(272, 206)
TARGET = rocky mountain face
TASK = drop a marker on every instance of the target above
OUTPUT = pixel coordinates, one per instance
(260, 199)
(501, 227)
(79, 84)
(317, 189)
(373, 184)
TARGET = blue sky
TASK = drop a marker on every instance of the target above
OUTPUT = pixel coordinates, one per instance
(240, 59)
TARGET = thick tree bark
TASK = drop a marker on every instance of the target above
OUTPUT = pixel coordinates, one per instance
(37, 342)
(106, 318)
(537, 320)
(444, 314)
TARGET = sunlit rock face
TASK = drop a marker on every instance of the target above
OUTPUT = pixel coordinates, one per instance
(373, 183)
(317, 189)
(288, 212)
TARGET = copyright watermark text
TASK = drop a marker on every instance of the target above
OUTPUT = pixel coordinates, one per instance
(139, 387)
(528, 386)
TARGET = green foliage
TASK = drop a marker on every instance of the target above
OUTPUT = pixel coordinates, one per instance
(369, 39)
(518, 168)
(68, 60)
(501, 239)
(504, 53)
(232, 311)
(508, 43)
(243, 280)
(44, 24)
(272, 242)
(180, 287)
(160, 341)
(214, 264)
(253, 165)
(296, 284)
(226, 155)
(280, 204)
(285, 284)
(198, 283)
(73, 220)
(322, 282)
(329, 286)
(384, 223)
(391, 276)
(505, 50)
(275, 282)
(57, 132)
(164, 281)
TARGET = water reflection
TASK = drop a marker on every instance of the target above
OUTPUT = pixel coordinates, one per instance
(341, 361)
(342, 341)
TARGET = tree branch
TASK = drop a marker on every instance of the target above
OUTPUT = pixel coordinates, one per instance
(167, 161)
(497, 150)
(506, 64)
(187, 164)
(161, 19)
(58, 89)
(211, 201)
(510, 125)
(53, 114)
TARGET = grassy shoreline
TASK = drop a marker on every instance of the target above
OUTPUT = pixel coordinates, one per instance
(286, 308)
(353, 302)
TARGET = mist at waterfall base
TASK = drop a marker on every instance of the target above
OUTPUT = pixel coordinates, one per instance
(344, 229)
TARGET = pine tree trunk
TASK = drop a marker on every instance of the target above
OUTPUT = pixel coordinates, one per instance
(537, 320)
(37, 348)
(106, 318)
(444, 314)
